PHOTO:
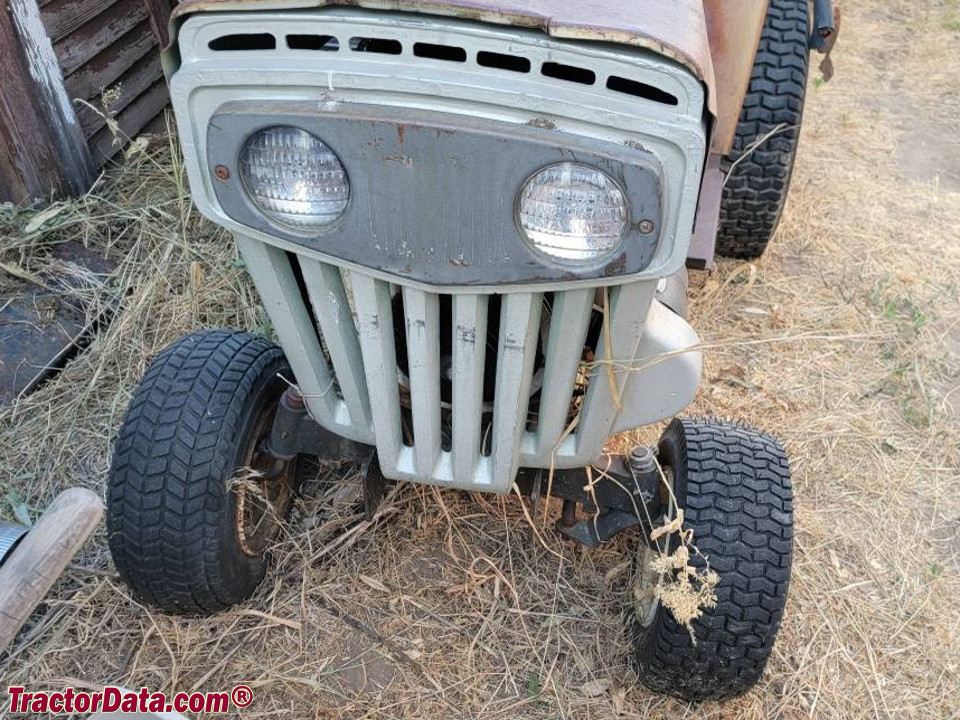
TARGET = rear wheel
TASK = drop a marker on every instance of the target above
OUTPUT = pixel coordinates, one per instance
(733, 484)
(192, 503)
(760, 164)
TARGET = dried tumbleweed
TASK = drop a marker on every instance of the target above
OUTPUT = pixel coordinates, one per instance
(683, 589)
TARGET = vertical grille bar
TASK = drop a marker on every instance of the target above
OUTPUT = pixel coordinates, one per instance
(469, 349)
(627, 313)
(332, 310)
(271, 271)
(568, 330)
(375, 322)
(519, 321)
(422, 312)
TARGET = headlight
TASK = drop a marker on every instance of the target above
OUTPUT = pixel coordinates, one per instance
(572, 212)
(294, 178)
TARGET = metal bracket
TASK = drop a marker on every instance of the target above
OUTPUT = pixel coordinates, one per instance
(824, 25)
(294, 432)
(624, 493)
(826, 28)
(593, 531)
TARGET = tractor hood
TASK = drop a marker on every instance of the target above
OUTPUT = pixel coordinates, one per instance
(714, 39)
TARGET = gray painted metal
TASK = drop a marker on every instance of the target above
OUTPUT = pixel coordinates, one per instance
(469, 331)
(432, 195)
(665, 372)
(351, 381)
(675, 28)
(571, 316)
(628, 310)
(277, 284)
(519, 319)
(331, 307)
(422, 312)
(207, 81)
(653, 376)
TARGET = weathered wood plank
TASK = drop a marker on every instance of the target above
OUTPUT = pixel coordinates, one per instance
(107, 67)
(144, 73)
(159, 12)
(62, 17)
(158, 126)
(81, 46)
(42, 556)
(140, 112)
(43, 149)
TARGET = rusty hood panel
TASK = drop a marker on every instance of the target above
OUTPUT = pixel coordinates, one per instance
(675, 28)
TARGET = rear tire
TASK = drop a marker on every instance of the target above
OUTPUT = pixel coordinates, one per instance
(734, 486)
(175, 523)
(758, 178)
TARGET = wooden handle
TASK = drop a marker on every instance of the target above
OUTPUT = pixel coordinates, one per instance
(42, 555)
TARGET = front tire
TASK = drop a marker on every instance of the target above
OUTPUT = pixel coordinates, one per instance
(184, 535)
(734, 486)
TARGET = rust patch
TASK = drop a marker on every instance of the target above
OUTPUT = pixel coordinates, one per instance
(542, 123)
(616, 266)
(400, 131)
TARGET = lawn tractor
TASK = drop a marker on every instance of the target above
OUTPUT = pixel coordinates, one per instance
(469, 222)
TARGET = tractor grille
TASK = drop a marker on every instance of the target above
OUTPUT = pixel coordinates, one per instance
(425, 403)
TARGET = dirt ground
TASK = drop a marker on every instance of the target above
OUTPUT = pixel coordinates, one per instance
(844, 341)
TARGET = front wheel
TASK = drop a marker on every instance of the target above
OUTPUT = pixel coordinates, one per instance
(192, 503)
(733, 484)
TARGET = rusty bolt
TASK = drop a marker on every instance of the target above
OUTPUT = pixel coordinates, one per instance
(221, 172)
(645, 226)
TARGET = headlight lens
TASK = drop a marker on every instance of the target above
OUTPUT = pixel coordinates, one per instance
(294, 178)
(572, 212)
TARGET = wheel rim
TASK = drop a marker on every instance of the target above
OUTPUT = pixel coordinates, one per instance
(263, 495)
(647, 602)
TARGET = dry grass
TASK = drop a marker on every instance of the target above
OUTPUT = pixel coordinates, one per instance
(844, 341)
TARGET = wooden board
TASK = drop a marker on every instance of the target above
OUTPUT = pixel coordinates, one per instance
(145, 73)
(42, 149)
(42, 556)
(144, 109)
(109, 52)
(108, 66)
(100, 33)
(62, 17)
